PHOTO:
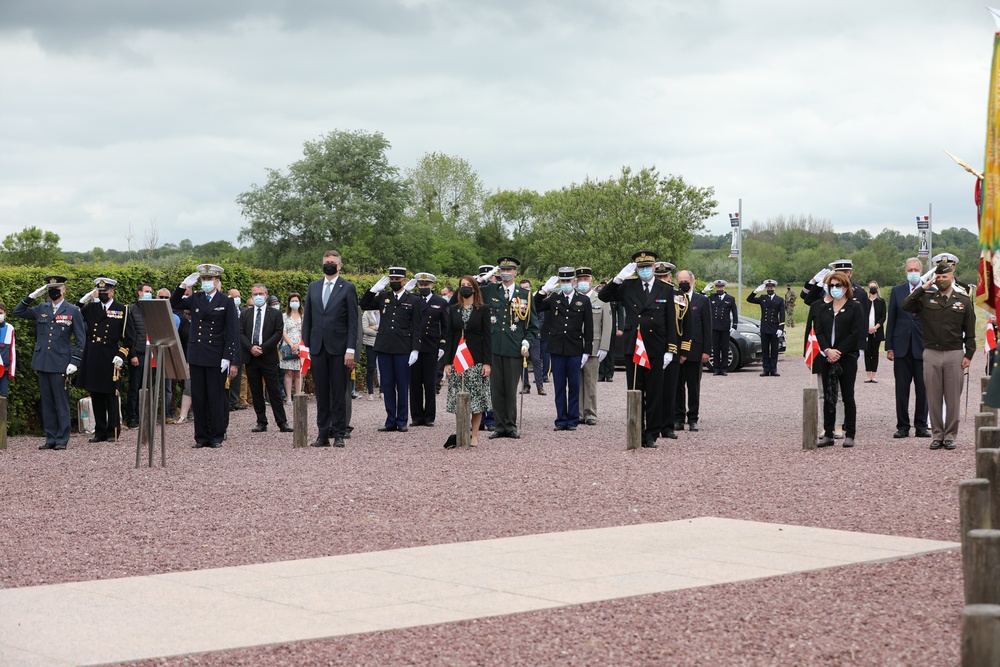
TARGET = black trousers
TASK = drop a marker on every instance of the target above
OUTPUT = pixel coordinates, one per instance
(107, 420)
(331, 377)
(906, 369)
(423, 388)
(670, 375)
(259, 372)
(769, 352)
(843, 387)
(606, 371)
(689, 387)
(208, 395)
(650, 382)
(871, 354)
(233, 393)
(720, 347)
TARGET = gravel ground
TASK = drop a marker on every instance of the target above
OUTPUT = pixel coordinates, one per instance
(86, 513)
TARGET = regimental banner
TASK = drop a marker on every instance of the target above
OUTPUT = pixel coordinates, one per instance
(923, 236)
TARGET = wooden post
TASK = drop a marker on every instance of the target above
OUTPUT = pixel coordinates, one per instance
(982, 584)
(3, 422)
(810, 417)
(988, 437)
(463, 419)
(981, 635)
(974, 514)
(987, 463)
(983, 420)
(633, 438)
(984, 383)
(300, 421)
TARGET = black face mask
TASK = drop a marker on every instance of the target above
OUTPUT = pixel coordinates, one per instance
(873, 290)
(684, 286)
(396, 285)
(330, 268)
(55, 293)
(424, 291)
(770, 292)
(720, 292)
(466, 291)
(103, 297)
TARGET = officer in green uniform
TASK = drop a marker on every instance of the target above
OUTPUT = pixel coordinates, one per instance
(515, 325)
(790, 299)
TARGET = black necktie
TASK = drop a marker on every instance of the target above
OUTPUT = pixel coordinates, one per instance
(645, 288)
(256, 326)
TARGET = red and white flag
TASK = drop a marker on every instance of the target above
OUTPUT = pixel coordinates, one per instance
(463, 357)
(812, 347)
(639, 357)
(8, 342)
(304, 359)
(991, 336)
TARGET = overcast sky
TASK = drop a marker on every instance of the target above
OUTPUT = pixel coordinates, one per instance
(121, 112)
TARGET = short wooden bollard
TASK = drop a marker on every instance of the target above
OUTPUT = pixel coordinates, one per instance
(984, 383)
(300, 421)
(981, 635)
(986, 420)
(988, 437)
(974, 514)
(463, 419)
(634, 435)
(3, 422)
(982, 584)
(988, 468)
(810, 417)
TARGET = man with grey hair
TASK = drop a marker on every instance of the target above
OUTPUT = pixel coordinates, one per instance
(904, 347)
(261, 328)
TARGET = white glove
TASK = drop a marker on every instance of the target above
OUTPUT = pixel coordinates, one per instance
(781, 333)
(413, 358)
(626, 273)
(410, 284)
(550, 284)
(38, 292)
(583, 360)
(440, 354)
(601, 354)
(190, 280)
(88, 297)
(118, 362)
(225, 365)
(525, 349)
(927, 276)
(760, 288)
(70, 369)
(818, 278)
(379, 285)
(667, 358)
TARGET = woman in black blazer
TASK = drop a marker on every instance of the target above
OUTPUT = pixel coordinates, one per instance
(840, 327)
(876, 330)
(472, 320)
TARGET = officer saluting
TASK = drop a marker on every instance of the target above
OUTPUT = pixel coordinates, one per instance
(433, 311)
(56, 356)
(212, 348)
(772, 324)
(110, 336)
(724, 318)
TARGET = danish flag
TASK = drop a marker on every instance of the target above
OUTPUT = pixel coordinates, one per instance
(8, 342)
(304, 359)
(463, 357)
(812, 347)
(991, 336)
(639, 357)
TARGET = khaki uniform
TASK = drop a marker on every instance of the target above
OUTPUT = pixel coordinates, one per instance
(790, 299)
(603, 330)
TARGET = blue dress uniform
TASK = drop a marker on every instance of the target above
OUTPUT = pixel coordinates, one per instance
(434, 320)
(59, 339)
(398, 336)
(214, 338)
(110, 336)
(772, 320)
(724, 319)
(571, 334)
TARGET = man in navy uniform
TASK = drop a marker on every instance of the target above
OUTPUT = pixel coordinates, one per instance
(772, 324)
(514, 327)
(59, 339)
(330, 323)
(724, 319)
(696, 350)
(904, 347)
(110, 336)
(397, 342)
(664, 272)
(571, 339)
(649, 312)
(261, 328)
(213, 351)
(433, 310)
(486, 274)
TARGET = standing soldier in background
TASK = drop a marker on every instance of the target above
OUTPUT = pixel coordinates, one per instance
(433, 311)
(724, 320)
(789, 305)
(772, 324)
(607, 367)
(109, 339)
(603, 327)
(696, 346)
(56, 357)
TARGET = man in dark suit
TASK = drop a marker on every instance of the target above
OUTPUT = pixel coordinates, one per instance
(696, 350)
(261, 328)
(649, 313)
(330, 324)
(433, 310)
(397, 343)
(904, 347)
(664, 272)
(772, 324)
(571, 339)
(59, 339)
(109, 338)
(724, 320)
(213, 351)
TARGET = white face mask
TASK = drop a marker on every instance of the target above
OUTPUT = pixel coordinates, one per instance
(2, 318)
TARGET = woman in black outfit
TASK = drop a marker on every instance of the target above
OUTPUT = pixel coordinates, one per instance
(469, 318)
(840, 326)
(876, 333)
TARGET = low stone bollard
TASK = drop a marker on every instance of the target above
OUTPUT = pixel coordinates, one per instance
(810, 417)
(981, 635)
(300, 421)
(633, 438)
(974, 514)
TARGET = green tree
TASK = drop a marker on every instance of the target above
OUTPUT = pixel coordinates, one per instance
(30, 247)
(446, 192)
(508, 227)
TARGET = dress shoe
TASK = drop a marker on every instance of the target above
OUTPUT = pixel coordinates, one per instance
(949, 444)
(514, 434)
(557, 427)
(402, 429)
(678, 426)
(339, 442)
(199, 445)
(590, 421)
(214, 445)
(98, 440)
(496, 434)
(838, 436)
(825, 442)
(240, 407)
(717, 373)
(58, 448)
(571, 427)
(525, 390)
(259, 428)
(776, 374)
(47, 445)
(693, 426)
(541, 391)
(416, 423)
(384, 429)
(320, 443)
(848, 442)
(901, 433)
(650, 444)
(922, 433)
(285, 428)
(669, 433)
(429, 423)
(133, 424)
(936, 444)
(764, 374)
(347, 436)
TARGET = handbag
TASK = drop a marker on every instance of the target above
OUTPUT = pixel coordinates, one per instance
(285, 352)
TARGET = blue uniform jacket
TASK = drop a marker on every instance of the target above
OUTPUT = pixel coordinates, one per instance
(59, 336)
